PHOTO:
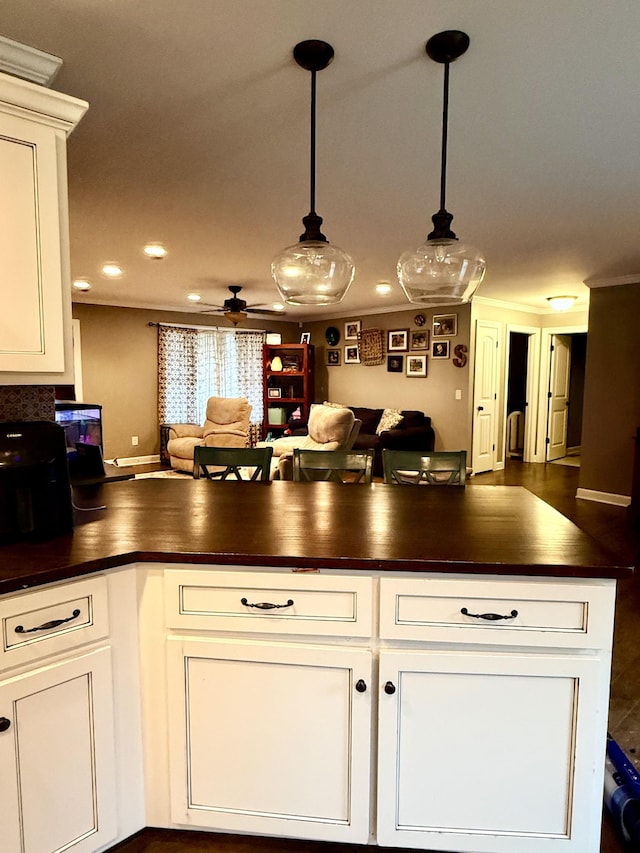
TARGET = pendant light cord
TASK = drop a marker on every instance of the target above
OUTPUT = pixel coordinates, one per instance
(445, 122)
(312, 166)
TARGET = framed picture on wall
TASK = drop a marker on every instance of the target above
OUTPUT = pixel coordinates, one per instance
(445, 325)
(274, 392)
(440, 349)
(416, 365)
(419, 339)
(351, 330)
(397, 340)
(395, 363)
(333, 357)
(305, 338)
(351, 355)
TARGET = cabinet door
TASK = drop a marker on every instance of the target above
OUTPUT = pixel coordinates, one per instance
(491, 753)
(270, 739)
(57, 780)
(30, 248)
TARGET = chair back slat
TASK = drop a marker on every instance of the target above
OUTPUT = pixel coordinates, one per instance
(222, 463)
(428, 467)
(339, 466)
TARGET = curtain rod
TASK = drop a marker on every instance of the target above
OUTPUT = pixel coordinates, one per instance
(205, 328)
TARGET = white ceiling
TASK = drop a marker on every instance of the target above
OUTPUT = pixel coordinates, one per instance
(197, 136)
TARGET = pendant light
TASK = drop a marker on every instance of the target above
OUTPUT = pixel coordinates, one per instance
(442, 271)
(312, 272)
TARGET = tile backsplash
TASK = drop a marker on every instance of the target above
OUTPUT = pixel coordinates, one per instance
(27, 402)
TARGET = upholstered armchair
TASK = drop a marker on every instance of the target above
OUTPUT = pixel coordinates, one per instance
(226, 425)
(329, 428)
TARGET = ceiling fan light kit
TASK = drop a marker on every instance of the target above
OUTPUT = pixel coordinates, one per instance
(313, 272)
(442, 271)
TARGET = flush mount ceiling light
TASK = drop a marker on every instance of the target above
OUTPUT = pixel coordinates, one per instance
(442, 271)
(82, 284)
(561, 303)
(312, 272)
(156, 251)
(194, 297)
(383, 288)
(112, 270)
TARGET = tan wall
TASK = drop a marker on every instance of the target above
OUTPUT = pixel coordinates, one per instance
(119, 370)
(361, 385)
(611, 413)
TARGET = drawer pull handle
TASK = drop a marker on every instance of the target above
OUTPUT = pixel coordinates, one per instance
(361, 685)
(46, 626)
(266, 605)
(4, 724)
(390, 688)
(490, 617)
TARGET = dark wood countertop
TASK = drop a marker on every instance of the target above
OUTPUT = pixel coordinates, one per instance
(503, 530)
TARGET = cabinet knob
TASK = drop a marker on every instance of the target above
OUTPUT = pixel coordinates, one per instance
(4, 724)
(390, 688)
(361, 686)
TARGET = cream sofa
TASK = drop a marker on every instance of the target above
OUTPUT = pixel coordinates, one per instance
(329, 428)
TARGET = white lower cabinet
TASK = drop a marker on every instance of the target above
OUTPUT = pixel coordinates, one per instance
(270, 738)
(489, 751)
(57, 773)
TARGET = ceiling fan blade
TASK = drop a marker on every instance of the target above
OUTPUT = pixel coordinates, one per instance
(263, 311)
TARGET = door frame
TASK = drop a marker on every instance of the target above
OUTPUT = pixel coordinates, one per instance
(533, 377)
(545, 375)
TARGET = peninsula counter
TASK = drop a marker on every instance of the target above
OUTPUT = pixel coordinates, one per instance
(412, 667)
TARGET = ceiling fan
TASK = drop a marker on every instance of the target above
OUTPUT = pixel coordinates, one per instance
(235, 309)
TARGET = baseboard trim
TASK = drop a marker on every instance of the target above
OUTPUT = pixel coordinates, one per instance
(123, 461)
(603, 497)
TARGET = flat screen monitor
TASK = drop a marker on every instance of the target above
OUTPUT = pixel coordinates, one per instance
(82, 425)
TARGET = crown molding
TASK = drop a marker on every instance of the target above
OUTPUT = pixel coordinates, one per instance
(37, 103)
(28, 63)
(616, 281)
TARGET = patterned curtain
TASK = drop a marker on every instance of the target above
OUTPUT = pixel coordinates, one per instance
(249, 375)
(177, 399)
(195, 364)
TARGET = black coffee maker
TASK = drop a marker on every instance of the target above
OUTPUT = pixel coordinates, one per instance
(35, 492)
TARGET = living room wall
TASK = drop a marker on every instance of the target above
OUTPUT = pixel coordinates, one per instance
(612, 390)
(375, 386)
(119, 369)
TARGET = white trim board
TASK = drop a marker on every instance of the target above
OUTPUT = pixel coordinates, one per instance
(603, 497)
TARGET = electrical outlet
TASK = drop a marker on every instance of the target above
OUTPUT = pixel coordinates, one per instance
(134, 440)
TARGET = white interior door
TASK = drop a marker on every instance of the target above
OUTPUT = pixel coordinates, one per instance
(485, 396)
(559, 376)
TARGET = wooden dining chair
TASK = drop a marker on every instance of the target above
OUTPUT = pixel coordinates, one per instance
(222, 463)
(424, 467)
(339, 466)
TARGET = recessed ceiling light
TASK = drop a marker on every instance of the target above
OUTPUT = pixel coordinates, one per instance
(82, 284)
(194, 297)
(155, 250)
(112, 270)
(561, 303)
(278, 306)
(383, 288)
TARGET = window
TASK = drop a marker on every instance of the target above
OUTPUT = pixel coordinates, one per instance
(195, 364)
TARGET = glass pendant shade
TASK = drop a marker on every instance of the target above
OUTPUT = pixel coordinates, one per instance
(312, 272)
(440, 272)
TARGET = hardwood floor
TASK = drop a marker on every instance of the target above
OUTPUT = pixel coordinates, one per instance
(556, 484)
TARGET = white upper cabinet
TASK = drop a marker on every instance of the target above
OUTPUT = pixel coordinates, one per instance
(35, 287)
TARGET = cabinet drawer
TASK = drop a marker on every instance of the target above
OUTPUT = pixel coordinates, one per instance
(269, 602)
(529, 612)
(52, 620)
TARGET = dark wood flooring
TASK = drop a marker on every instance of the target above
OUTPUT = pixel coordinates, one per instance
(609, 526)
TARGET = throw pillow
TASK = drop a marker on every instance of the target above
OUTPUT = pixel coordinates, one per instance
(390, 419)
